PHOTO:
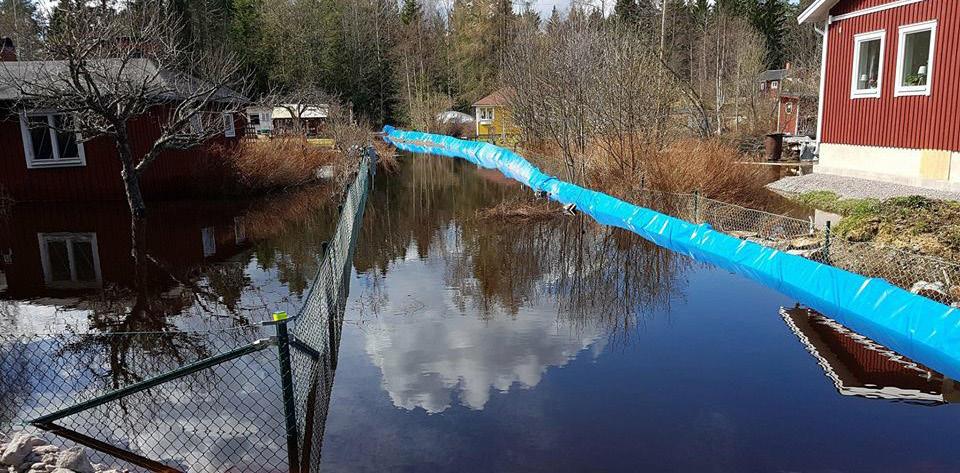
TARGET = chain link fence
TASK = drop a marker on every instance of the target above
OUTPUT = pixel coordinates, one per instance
(932, 277)
(251, 398)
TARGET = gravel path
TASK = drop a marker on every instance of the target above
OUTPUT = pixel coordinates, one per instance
(854, 188)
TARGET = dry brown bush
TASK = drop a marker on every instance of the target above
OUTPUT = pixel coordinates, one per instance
(710, 167)
(279, 162)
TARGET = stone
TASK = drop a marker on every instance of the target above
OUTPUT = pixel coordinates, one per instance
(45, 449)
(743, 235)
(49, 458)
(805, 243)
(75, 458)
(38, 466)
(19, 447)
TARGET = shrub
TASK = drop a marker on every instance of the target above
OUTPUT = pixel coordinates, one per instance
(280, 162)
(711, 167)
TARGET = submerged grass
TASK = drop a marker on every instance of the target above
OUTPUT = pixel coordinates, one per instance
(521, 210)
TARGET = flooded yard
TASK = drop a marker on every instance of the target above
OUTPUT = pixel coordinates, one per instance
(464, 344)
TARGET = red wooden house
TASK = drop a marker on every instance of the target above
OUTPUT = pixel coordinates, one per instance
(38, 163)
(890, 90)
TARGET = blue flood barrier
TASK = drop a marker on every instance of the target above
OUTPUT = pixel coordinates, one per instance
(912, 325)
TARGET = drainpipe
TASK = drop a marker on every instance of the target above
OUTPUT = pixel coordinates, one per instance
(823, 79)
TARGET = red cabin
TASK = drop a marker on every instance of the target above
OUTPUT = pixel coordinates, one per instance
(890, 90)
(40, 162)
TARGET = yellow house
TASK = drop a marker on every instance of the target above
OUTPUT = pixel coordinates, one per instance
(493, 118)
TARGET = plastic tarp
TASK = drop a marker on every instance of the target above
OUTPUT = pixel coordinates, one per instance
(915, 326)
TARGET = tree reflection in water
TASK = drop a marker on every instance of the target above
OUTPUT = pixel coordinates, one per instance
(601, 277)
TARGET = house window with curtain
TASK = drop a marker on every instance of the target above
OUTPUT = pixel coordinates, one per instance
(915, 47)
(47, 141)
(868, 64)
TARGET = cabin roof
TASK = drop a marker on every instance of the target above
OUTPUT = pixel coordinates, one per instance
(773, 74)
(497, 98)
(45, 76)
(817, 11)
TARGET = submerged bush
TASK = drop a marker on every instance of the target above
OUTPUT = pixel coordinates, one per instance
(280, 162)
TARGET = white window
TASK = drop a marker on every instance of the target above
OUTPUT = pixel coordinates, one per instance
(228, 128)
(209, 237)
(70, 260)
(789, 108)
(46, 143)
(485, 114)
(915, 58)
(775, 85)
(868, 64)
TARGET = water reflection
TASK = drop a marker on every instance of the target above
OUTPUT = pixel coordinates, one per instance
(857, 366)
(457, 307)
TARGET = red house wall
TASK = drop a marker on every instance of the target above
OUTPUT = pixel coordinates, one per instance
(920, 122)
(174, 174)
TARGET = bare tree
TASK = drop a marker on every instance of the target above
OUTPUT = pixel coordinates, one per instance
(102, 68)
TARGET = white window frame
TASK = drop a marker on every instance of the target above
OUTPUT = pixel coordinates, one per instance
(914, 90)
(480, 118)
(229, 130)
(857, 41)
(774, 85)
(58, 161)
(208, 237)
(44, 238)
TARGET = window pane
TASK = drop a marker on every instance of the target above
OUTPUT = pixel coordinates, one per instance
(916, 58)
(868, 74)
(59, 260)
(66, 140)
(83, 261)
(40, 135)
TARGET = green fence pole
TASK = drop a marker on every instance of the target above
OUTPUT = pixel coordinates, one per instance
(286, 376)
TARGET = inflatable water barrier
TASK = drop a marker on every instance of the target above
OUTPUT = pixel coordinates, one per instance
(912, 325)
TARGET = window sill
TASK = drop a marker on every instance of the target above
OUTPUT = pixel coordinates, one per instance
(58, 163)
(865, 95)
(905, 92)
(485, 122)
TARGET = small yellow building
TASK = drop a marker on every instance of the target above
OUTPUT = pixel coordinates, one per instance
(494, 123)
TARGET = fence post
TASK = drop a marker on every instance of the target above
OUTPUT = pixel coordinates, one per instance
(286, 376)
(696, 206)
(826, 244)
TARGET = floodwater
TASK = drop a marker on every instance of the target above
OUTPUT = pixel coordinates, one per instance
(475, 345)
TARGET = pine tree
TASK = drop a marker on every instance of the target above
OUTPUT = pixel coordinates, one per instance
(410, 12)
(768, 17)
(627, 11)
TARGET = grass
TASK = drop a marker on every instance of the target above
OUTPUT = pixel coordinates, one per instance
(521, 210)
(913, 223)
(279, 162)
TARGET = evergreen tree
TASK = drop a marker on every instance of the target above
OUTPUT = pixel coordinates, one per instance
(19, 20)
(410, 12)
(768, 17)
(627, 11)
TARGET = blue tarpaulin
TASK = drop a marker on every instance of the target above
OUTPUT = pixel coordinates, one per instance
(915, 326)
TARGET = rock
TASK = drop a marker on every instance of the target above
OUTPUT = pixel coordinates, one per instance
(39, 466)
(74, 458)
(45, 449)
(49, 458)
(19, 448)
(805, 243)
(743, 235)
(62, 470)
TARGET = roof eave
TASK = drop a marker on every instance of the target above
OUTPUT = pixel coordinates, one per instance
(817, 11)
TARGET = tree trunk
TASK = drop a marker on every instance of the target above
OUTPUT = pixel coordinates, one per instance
(138, 209)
